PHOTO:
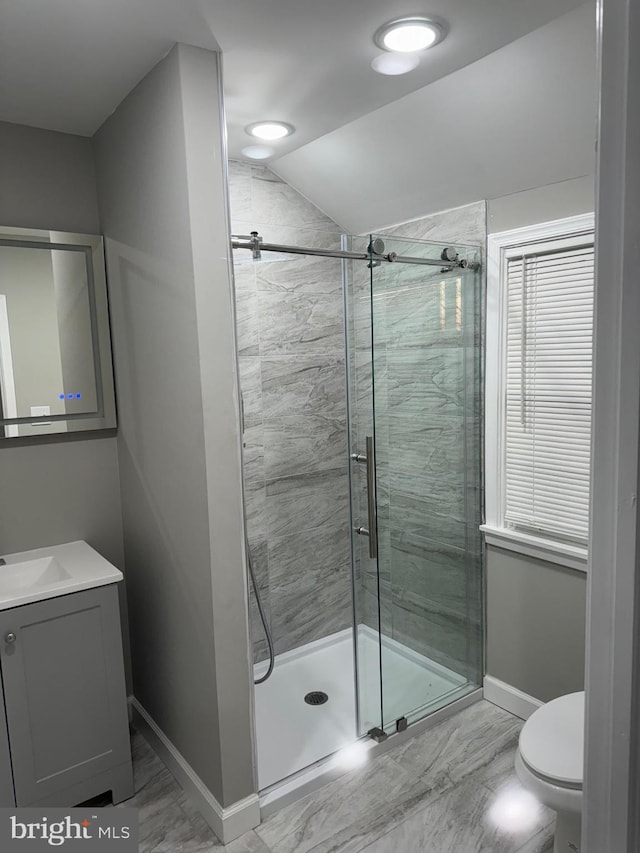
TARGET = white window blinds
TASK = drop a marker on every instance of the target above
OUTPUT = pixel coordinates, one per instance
(548, 387)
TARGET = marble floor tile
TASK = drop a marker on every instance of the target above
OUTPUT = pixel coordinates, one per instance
(466, 744)
(449, 786)
(160, 817)
(469, 819)
(500, 771)
(146, 763)
(250, 842)
(448, 790)
(247, 843)
(168, 820)
(344, 814)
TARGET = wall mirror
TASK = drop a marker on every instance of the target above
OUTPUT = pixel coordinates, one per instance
(56, 372)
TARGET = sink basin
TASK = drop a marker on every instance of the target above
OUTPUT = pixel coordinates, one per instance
(32, 574)
(47, 572)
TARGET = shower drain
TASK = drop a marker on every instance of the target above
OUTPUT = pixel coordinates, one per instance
(316, 697)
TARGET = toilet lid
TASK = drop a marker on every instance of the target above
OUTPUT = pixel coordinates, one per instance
(552, 739)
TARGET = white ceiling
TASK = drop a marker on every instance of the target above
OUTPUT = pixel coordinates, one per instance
(66, 64)
(308, 62)
(522, 117)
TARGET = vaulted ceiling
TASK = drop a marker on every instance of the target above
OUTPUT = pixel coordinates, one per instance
(522, 117)
(65, 65)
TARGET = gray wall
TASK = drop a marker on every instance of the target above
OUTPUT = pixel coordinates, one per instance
(291, 357)
(541, 204)
(535, 609)
(55, 492)
(59, 492)
(162, 209)
(47, 180)
(536, 615)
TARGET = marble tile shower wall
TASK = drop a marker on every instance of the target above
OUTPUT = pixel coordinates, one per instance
(428, 416)
(291, 358)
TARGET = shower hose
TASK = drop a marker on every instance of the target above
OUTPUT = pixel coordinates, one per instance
(263, 617)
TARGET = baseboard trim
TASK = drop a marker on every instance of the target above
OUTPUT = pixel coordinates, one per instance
(227, 823)
(509, 698)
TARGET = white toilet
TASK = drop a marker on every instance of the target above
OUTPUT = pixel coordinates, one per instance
(549, 763)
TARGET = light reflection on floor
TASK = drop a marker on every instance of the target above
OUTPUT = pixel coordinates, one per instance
(514, 809)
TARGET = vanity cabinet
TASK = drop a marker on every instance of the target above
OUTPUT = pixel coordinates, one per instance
(7, 797)
(64, 721)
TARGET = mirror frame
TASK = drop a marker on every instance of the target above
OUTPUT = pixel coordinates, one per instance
(92, 247)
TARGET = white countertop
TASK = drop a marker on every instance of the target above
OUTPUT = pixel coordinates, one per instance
(43, 573)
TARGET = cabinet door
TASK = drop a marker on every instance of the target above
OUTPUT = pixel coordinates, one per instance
(64, 691)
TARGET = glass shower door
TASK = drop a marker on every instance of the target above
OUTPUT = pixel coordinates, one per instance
(417, 394)
(365, 568)
(426, 353)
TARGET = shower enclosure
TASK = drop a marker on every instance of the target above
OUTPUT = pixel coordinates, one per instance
(413, 336)
(367, 555)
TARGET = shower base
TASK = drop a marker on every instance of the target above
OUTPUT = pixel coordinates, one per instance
(292, 734)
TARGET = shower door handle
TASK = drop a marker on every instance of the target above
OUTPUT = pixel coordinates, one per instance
(372, 530)
(371, 498)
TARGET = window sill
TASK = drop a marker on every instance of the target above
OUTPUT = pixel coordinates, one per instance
(571, 556)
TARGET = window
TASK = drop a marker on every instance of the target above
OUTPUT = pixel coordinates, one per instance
(539, 357)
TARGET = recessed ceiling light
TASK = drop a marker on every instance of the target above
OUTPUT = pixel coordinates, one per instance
(270, 130)
(395, 63)
(258, 152)
(408, 35)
